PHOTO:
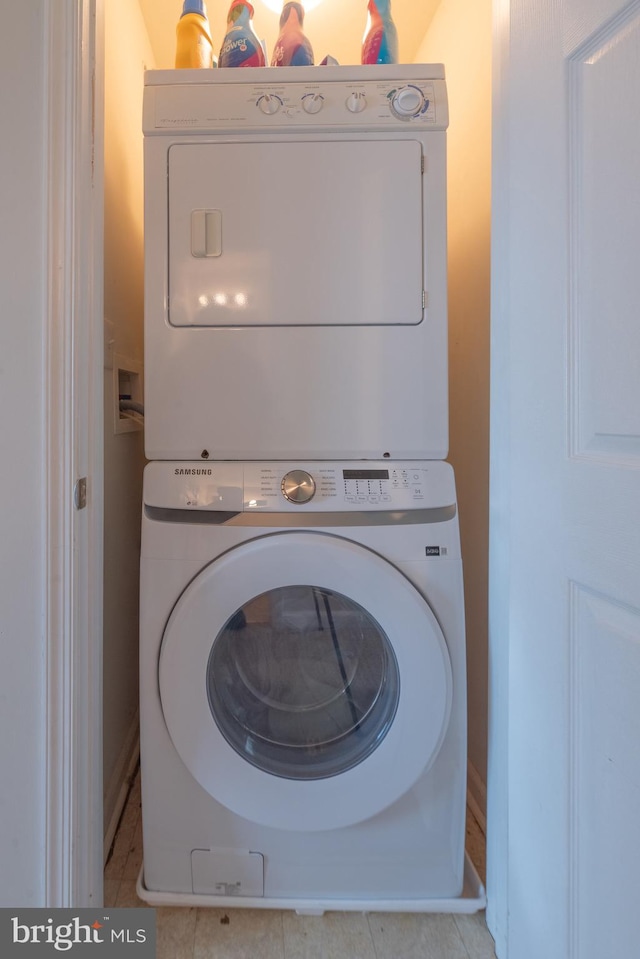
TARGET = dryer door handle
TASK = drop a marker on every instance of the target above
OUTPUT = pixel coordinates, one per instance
(206, 233)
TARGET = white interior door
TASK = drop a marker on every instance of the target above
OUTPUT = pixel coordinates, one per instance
(566, 472)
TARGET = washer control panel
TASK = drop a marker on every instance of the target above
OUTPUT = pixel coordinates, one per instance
(323, 487)
(289, 487)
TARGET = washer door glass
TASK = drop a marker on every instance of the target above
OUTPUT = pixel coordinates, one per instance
(302, 682)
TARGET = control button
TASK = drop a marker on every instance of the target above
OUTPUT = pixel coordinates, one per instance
(407, 102)
(298, 486)
(356, 102)
(386, 498)
(269, 104)
(312, 102)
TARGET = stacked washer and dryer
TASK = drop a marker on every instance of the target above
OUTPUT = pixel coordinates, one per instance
(303, 699)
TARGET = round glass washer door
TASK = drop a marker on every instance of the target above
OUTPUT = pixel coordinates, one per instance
(304, 681)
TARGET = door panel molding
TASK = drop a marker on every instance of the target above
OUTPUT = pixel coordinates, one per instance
(604, 650)
(603, 341)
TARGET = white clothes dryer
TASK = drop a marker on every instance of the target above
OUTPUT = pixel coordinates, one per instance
(295, 263)
(303, 720)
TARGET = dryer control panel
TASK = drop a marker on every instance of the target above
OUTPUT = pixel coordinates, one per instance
(292, 487)
(212, 101)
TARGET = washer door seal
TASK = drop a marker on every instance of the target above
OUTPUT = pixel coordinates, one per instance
(238, 723)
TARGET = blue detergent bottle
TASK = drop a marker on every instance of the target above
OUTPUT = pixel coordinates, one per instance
(380, 43)
(241, 47)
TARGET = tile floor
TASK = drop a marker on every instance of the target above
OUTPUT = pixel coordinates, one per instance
(197, 933)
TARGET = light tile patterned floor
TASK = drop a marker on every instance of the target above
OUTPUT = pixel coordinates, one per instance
(185, 933)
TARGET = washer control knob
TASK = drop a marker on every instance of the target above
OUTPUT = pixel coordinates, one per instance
(298, 486)
(407, 102)
(269, 104)
(312, 102)
(356, 102)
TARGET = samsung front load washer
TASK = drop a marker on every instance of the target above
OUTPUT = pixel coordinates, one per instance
(303, 721)
(295, 263)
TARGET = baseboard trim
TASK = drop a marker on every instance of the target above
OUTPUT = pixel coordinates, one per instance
(120, 782)
(477, 796)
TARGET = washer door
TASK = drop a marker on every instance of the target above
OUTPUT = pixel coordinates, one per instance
(305, 682)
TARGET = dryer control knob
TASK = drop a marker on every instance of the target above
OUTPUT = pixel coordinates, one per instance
(298, 486)
(407, 102)
(356, 102)
(312, 102)
(269, 104)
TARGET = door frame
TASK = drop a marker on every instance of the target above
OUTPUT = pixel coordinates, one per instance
(72, 423)
(499, 482)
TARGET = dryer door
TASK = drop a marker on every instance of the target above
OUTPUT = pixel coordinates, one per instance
(287, 233)
(305, 682)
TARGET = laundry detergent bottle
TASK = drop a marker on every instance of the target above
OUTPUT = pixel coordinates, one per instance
(241, 47)
(193, 37)
(292, 47)
(380, 43)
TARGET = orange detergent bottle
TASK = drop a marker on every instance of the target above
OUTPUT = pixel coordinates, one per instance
(193, 37)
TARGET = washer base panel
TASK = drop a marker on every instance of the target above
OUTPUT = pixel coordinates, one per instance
(472, 899)
(412, 849)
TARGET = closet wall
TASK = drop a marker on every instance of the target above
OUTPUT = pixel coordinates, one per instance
(127, 54)
(460, 36)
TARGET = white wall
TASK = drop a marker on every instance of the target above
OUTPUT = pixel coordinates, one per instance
(127, 52)
(460, 36)
(23, 230)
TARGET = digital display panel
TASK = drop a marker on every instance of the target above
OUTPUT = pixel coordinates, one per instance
(365, 474)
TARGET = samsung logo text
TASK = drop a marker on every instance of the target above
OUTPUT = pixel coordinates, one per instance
(192, 472)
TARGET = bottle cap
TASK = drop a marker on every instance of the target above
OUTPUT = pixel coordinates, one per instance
(242, 3)
(194, 6)
(286, 10)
